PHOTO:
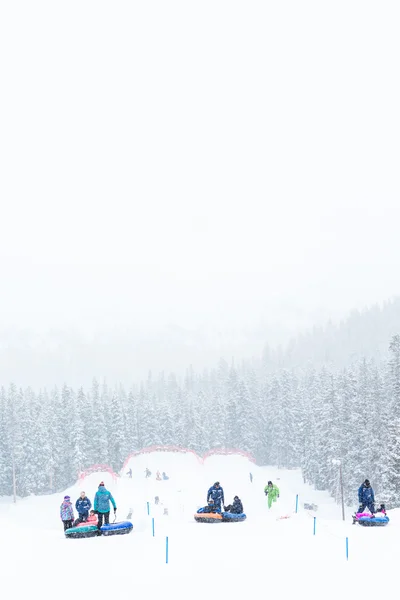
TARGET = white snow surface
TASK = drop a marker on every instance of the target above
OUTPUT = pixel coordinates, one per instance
(272, 552)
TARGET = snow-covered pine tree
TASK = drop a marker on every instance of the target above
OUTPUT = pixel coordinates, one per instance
(231, 403)
(215, 427)
(40, 458)
(310, 452)
(81, 448)
(176, 398)
(393, 434)
(131, 423)
(56, 438)
(5, 446)
(117, 433)
(99, 443)
(67, 465)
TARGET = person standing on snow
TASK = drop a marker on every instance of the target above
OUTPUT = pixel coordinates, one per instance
(83, 505)
(102, 501)
(67, 513)
(366, 497)
(272, 491)
(216, 494)
(129, 473)
(251, 477)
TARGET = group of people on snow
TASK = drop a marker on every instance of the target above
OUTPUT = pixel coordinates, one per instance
(216, 500)
(83, 506)
(159, 476)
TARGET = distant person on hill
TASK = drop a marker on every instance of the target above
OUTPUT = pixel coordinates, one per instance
(216, 494)
(147, 473)
(272, 491)
(251, 477)
(236, 507)
(366, 497)
(67, 513)
(156, 500)
(83, 505)
(129, 473)
(165, 476)
(102, 501)
(158, 476)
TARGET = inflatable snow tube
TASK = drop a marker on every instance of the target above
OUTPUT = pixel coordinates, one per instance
(232, 517)
(120, 528)
(82, 531)
(367, 520)
(208, 517)
(372, 521)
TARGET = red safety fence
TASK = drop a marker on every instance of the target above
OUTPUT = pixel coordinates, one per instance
(98, 469)
(178, 449)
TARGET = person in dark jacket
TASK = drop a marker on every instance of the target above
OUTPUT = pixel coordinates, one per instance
(210, 508)
(82, 505)
(102, 501)
(366, 497)
(216, 494)
(236, 507)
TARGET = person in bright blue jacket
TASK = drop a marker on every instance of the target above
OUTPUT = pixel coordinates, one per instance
(366, 497)
(216, 494)
(102, 501)
(82, 505)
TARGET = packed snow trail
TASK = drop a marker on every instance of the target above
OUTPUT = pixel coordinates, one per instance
(265, 552)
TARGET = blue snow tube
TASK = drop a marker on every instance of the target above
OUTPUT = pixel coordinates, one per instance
(373, 521)
(228, 517)
(117, 528)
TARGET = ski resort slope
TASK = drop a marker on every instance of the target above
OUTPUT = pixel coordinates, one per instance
(272, 552)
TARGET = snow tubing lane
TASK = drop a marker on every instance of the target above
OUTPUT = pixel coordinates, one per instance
(117, 528)
(371, 522)
(82, 531)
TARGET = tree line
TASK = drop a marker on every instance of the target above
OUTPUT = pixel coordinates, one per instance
(304, 418)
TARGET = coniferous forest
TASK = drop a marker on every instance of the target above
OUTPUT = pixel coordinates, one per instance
(300, 417)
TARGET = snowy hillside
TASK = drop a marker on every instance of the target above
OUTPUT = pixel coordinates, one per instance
(272, 551)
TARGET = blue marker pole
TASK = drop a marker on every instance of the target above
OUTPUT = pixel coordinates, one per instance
(297, 501)
(347, 548)
(166, 550)
(315, 521)
(152, 523)
(148, 508)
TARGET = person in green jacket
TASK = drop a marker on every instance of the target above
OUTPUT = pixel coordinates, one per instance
(272, 491)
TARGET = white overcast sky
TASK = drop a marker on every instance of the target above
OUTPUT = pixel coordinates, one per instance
(197, 162)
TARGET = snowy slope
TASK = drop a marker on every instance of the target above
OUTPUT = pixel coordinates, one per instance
(279, 554)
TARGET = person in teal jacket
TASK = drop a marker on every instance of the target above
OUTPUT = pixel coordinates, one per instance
(102, 501)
